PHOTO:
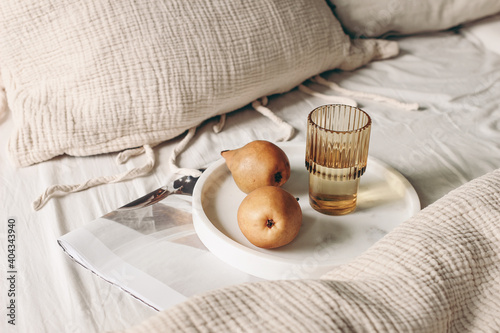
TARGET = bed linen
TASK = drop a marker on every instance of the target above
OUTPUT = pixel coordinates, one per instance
(452, 139)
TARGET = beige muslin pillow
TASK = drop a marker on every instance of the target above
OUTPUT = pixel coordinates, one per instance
(373, 18)
(89, 77)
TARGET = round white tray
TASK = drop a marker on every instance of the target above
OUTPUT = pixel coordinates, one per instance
(385, 199)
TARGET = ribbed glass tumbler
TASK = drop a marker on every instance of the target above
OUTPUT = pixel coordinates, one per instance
(337, 142)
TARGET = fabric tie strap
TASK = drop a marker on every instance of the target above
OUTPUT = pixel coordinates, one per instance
(358, 94)
(217, 128)
(286, 129)
(177, 150)
(61, 190)
(329, 98)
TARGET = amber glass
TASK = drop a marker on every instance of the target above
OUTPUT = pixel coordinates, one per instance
(337, 142)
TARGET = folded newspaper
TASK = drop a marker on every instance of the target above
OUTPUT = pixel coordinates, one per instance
(151, 252)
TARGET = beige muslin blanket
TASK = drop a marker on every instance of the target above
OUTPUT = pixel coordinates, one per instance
(437, 272)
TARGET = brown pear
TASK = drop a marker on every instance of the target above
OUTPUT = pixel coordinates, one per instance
(269, 217)
(258, 163)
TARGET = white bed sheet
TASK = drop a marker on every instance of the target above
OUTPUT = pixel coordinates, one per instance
(454, 138)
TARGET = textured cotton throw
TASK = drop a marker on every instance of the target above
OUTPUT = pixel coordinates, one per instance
(437, 272)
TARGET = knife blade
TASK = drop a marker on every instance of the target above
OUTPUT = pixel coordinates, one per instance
(183, 186)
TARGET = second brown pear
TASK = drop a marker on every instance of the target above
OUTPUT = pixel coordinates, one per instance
(258, 163)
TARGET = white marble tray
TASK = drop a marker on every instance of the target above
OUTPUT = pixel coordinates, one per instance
(385, 199)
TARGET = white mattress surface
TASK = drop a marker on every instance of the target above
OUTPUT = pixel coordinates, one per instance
(453, 138)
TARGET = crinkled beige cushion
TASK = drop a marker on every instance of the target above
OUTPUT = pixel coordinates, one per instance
(374, 18)
(88, 77)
